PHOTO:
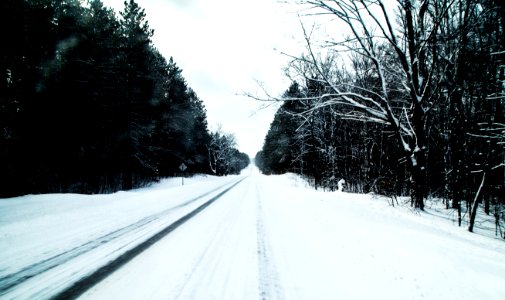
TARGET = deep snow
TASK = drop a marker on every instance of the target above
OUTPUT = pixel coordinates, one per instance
(270, 237)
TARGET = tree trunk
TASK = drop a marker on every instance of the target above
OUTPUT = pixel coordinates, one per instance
(455, 142)
(487, 204)
(127, 180)
(418, 156)
(476, 203)
(418, 178)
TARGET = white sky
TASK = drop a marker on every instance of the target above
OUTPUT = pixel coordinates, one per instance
(225, 47)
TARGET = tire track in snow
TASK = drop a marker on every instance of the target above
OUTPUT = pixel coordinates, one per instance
(268, 277)
(79, 287)
(211, 257)
(10, 281)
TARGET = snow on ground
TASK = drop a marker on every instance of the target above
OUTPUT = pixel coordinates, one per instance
(270, 237)
(368, 250)
(40, 232)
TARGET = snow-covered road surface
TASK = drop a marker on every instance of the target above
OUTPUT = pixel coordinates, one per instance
(48, 251)
(269, 237)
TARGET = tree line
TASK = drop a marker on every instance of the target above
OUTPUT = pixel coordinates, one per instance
(88, 104)
(408, 101)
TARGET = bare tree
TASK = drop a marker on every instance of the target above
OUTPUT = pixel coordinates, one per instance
(221, 152)
(493, 137)
(472, 40)
(395, 52)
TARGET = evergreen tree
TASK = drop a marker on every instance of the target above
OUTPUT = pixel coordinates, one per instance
(88, 104)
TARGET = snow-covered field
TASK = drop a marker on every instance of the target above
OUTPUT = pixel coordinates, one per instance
(269, 237)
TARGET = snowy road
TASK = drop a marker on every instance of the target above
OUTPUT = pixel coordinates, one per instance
(269, 237)
(223, 253)
(61, 255)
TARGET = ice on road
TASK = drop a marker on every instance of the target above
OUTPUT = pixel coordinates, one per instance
(271, 237)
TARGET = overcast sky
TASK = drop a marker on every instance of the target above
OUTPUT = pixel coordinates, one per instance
(225, 47)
